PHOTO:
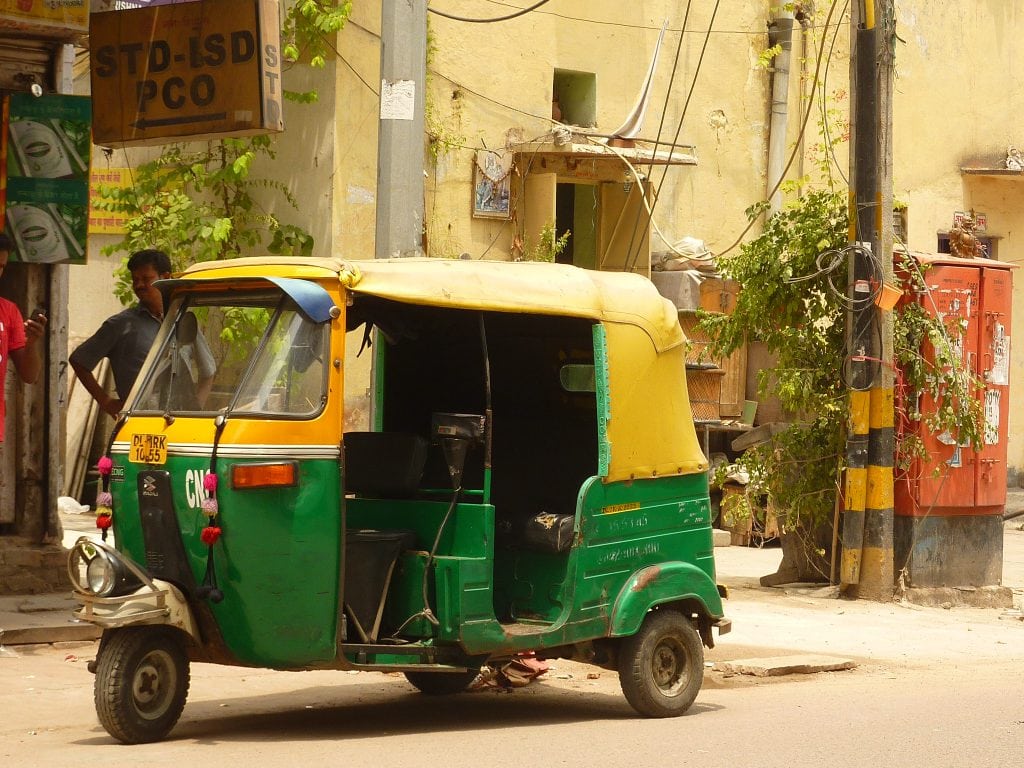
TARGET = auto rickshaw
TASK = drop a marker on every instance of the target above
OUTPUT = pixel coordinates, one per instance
(529, 479)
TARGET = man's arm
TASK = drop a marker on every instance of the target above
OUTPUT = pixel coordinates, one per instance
(27, 360)
(111, 405)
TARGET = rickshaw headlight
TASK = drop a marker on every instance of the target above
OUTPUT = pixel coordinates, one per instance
(99, 575)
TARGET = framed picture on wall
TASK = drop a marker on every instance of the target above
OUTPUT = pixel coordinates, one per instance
(492, 187)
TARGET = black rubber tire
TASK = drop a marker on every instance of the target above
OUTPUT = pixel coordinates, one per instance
(441, 683)
(142, 679)
(661, 667)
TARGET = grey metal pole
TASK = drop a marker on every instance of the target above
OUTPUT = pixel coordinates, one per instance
(403, 70)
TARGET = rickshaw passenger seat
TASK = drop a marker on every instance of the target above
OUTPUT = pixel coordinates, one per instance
(384, 464)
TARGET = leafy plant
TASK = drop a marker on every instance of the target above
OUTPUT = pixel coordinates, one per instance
(930, 353)
(196, 203)
(548, 245)
(787, 302)
(308, 30)
(793, 299)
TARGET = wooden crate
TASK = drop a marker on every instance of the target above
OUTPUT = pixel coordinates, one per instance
(697, 344)
(704, 388)
(733, 385)
(718, 295)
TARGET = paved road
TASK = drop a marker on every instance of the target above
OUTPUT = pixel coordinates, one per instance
(933, 688)
(953, 713)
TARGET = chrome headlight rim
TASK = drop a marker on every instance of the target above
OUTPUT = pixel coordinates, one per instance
(99, 571)
(100, 577)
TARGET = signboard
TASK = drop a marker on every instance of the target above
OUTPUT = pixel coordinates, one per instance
(107, 222)
(193, 69)
(44, 162)
(57, 18)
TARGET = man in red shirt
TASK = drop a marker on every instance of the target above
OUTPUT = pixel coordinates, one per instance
(17, 337)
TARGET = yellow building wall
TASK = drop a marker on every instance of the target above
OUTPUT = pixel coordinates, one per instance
(490, 86)
(958, 104)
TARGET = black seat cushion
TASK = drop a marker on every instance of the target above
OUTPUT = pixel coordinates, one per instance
(549, 532)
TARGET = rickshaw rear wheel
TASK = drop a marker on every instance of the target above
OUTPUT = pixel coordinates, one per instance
(661, 667)
(142, 679)
(441, 683)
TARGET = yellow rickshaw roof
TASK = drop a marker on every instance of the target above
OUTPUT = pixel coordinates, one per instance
(501, 286)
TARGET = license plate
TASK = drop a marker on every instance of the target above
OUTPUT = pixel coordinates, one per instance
(148, 449)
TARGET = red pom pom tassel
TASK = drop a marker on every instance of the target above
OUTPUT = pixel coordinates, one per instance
(210, 534)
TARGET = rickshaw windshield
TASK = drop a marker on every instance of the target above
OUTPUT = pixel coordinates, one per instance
(243, 352)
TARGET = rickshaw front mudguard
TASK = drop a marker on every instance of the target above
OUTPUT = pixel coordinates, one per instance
(673, 583)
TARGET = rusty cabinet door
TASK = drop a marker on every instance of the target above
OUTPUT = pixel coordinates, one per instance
(994, 371)
(947, 479)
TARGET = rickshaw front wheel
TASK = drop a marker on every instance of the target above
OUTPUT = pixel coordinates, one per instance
(661, 667)
(441, 683)
(142, 679)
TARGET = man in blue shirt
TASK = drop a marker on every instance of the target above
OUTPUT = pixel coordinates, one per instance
(126, 338)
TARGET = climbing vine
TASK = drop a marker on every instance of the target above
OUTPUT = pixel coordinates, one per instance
(792, 298)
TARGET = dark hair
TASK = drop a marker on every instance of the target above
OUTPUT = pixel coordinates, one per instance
(151, 257)
(6, 244)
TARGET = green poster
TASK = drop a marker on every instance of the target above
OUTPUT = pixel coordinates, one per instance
(47, 177)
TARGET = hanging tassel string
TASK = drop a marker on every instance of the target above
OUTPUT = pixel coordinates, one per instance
(212, 532)
(105, 466)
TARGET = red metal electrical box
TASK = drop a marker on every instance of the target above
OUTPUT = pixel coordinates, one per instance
(948, 508)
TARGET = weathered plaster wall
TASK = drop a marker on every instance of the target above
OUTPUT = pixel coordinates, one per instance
(492, 83)
(957, 105)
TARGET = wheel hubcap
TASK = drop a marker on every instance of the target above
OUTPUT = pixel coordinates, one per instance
(669, 667)
(153, 684)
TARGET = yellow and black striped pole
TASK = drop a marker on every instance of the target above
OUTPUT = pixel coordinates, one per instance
(866, 566)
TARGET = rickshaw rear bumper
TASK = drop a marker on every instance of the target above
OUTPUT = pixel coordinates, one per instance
(723, 625)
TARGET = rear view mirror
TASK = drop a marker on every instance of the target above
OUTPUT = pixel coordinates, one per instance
(577, 378)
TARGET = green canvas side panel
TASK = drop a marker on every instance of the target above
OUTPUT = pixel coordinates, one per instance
(632, 526)
(285, 542)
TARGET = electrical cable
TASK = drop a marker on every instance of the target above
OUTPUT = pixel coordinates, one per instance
(822, 92)
(679, 127)
(623, 25)
(661, 125)
(800, 137)
(520, 12)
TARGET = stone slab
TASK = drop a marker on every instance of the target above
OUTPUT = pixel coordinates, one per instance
(722, 538)
(949, 597)
(28, 619)
(784, 665)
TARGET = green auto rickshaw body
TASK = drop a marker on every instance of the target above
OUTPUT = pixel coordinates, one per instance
(530, 478)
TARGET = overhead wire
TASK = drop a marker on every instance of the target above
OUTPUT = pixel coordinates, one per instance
(797, 146)
(631, 259)
(469, 20)
(661, 125)
(625, 25)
